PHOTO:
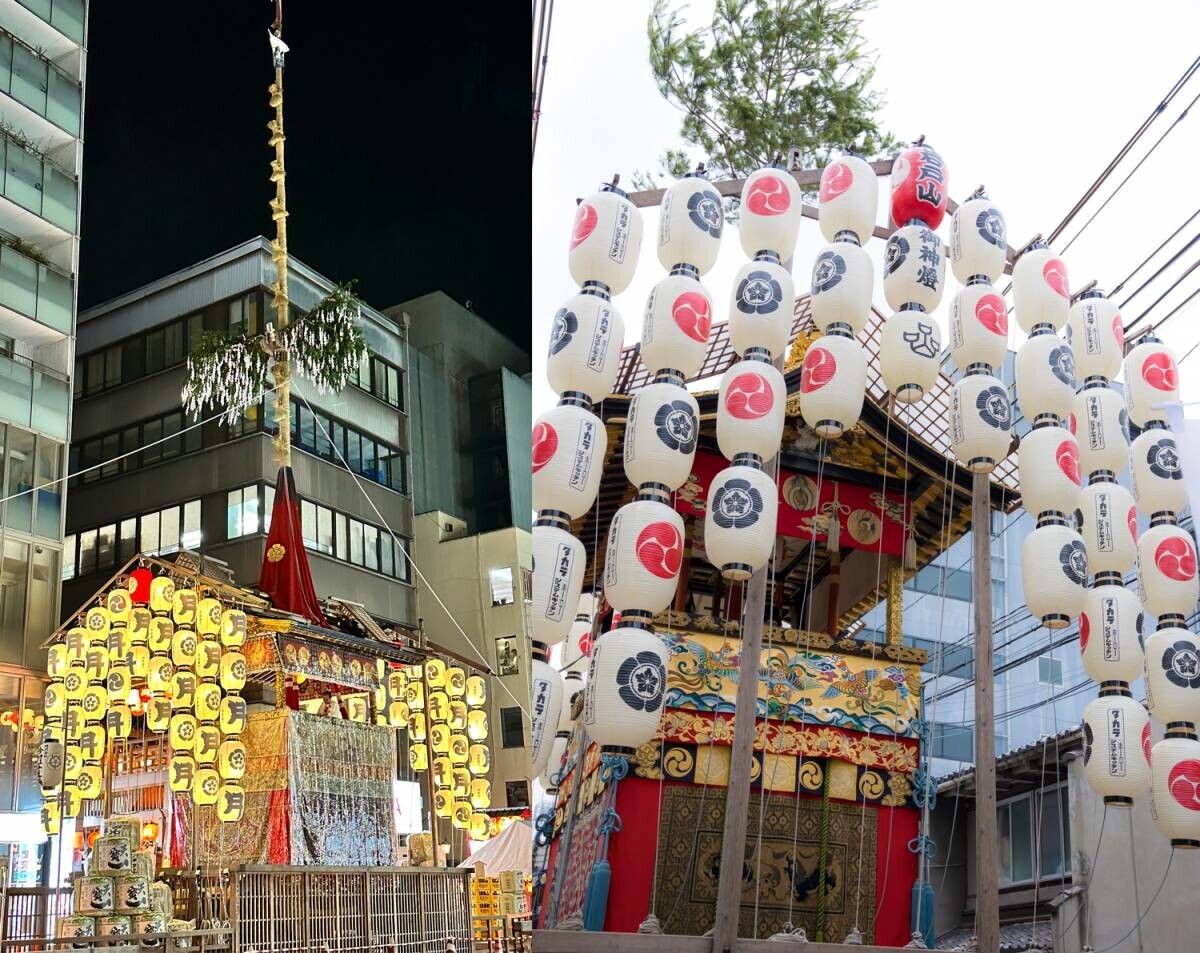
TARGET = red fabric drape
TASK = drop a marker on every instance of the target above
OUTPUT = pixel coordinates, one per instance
(286, 577)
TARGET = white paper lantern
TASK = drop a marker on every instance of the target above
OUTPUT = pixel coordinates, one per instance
(579, 640)
(546, 697)
(569, 444)
(679, 314)
(550, 777)
(842, 281)
(1108, 525)
(833, 380)
(1167, 569)
(1100, 429)
(641, 563)
(910, 346)
(1175, 789)
(1048, 468)
(626, 684)
(660, 435)
(848, 198)
(558, 564)
(1116, 763)
(978, 240)
(1173, 675)
(980, 418)
(914, 268)
(770, 212)
(1096, 335)
(585, 346)
(691, 219)
(1157, 472)
(1045, 376)
(606, 238)
(572, 687)
(750, 409)
(978, 327)
(1041, 289)
(1110, 633)
(1151, 381)
(1054, 569)
(739, 525)
(762, 306)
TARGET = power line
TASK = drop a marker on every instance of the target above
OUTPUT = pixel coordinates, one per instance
(1165, 265)
(1148, 258)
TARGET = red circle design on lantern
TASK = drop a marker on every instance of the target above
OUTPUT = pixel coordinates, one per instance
(919, 190)
(1158, 370)
(1146, 741)
(819, 368)
(545, 443)
(660, 549)
(1085, 629)
(1131, 519)
(1071, 424)
(769, 196)
(1119, 331)
(992, 314)
(835, 180)
(1175, 559)
(585, 223)
(693, 315)
(139, 585)
(1055, 273)
(1067, 456)
(749, 396)
(1184, 783)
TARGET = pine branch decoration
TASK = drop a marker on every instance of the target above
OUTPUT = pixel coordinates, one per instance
(326, 345)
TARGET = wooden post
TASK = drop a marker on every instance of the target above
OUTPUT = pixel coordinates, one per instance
(685, 571)
(987, 891)
(834, 592)
(895, 601)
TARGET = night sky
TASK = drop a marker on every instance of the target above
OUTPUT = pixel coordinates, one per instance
(407, 145)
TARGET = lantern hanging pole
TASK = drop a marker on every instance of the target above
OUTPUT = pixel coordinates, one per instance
(280, 368)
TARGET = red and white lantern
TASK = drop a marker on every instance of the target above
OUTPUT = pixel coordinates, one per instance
(848, 198)
(770, 213)
(679, 314)
(762, 306)
(1157, 471)
(691, 220)
(569, 444)
(978, 326)
(585, 346)
(833, 380)
(739, 525)
(842, 281)
(914, 268)
(1151, 381)
(661, 434)
(750, 409)
(1173, 675)
(1049, 486)
(1041, 289)
(645, 551)
(1110, 633)
(1096, 335)
(1175, 788)
(1108, 525)
(919, 181)
(1167, 567)
(606, 238)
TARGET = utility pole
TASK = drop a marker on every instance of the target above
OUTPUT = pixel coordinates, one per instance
(987, 890)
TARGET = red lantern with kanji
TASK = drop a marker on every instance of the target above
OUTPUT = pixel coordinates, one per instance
(918, 187)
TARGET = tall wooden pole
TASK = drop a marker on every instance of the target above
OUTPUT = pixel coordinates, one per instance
(987, 890)
(281, 368)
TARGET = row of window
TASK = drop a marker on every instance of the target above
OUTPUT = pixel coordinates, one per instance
(35, 184)
(134, 358)
(382, 379)
(32, 465)
(162, 438)
(154, 533)
(332, 440)
(31, 80)
(64, 15)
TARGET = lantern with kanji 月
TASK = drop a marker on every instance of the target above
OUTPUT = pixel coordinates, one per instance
(918, 186)
(585, 345)
(207, 744)
(546, 699)
(183, 607)
(739, 525)
(1110, 632)
(690, 222)
(980, 419)
(606, 237)
(909, 349)
(158, 713)
(161, 634)
(232, 719)
(233, 628)
(1045, 377)
(231, 802)
(833, 380)
(1100, 429)
(750, 408)
(842, 281)
(679, 315)
(1048, 468)
(848, 198)
(1151, 380)
(1054, 570)
(978, 326)
(568, 454)
(625, 689)
(1116, 748)
(770, 212)
(1173, 675)
(978, 241)
(643, 556)
(1167, 568)
(914, 269)
(762, 305)
(181, 771)
(661, 433)
(1041, 289)
(208, 658)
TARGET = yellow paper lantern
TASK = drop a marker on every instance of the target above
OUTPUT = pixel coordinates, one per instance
(435, 673)
(182, 689)
(208, 658)
(439, 738)
(118, 603)
(55, 699)
(232, 760)
(75, 683)
(162, 594)
(476, 693)
(139, 623)
(462, 782)
(94, 703)
(72, 761)
(233, 671)
(91, 742)
(181, 772)
(182, 732)
(233, 628)
(418, 757)
(481, 793)
(183, 607)
(481, 826)
(208, 701)
(477, 725)
(119, 721)
(457, 719)
(397, 681)
(118, 643)
(71, 802)
(443, 803)
(461, 818)
(162, 631)
(183, 647)
(208, 616)
(414, 696)
(231, 802)
(233, 715)
(76, 641)
(73, 724)
(479, 759)
(97, 621)
(89, 783)
(56, 660)
(208, 744)
(380, 697)
(416, 726)
(443, 773)
(53, 730)
(95, 662)
(398, 714)
(439, 706)
(158, 713)
(51, 819)
(138, 658)
(206, 786)
(456, 682)
(158, 675)
(120, 679)
(459, 748)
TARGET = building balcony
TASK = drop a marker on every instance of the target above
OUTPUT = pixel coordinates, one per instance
(40, 100)
(35, 299)
(55, 26)
(34, 396)
(38, 203)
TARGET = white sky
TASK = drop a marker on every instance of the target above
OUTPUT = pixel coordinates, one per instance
(1032, 102)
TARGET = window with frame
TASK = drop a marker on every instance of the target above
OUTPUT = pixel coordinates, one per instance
(516, 793)
(242, 515)
(154, 533)
(501, 581)
(1050, 670)
(1033, 836)
(351, 540)
(512, 730)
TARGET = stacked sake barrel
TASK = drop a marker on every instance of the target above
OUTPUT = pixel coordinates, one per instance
(833, 378)
(1167, 567)
(569, 442)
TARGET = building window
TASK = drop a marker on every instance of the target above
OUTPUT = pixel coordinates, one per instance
(332, 440)
(1050, 670)
(502, 586)
(953, 742)
(507, 657)
(354, 541)
(1032, 836)
(512, 731)
(241, 512)
(517, 793)
(526, 584)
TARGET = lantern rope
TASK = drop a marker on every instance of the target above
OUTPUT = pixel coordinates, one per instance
(396, 541)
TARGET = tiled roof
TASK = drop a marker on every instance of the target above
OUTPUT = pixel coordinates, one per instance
(1014, 937)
